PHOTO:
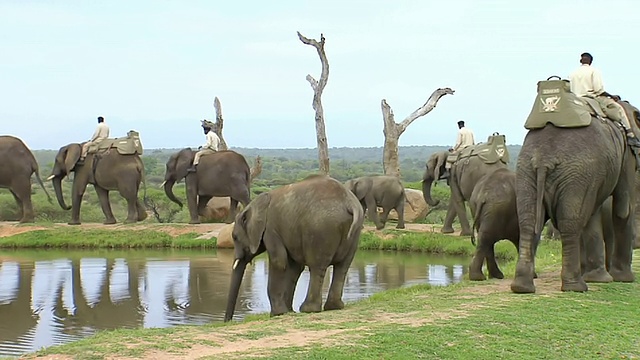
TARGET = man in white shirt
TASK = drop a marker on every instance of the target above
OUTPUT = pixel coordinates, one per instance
(463, 140)
(210, 147)
(587, 81)
(101, 133)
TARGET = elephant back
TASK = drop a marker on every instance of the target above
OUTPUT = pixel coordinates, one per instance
(556, 104)
(490, 152)
(128, 145)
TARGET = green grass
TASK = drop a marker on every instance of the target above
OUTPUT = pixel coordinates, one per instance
(65, 237)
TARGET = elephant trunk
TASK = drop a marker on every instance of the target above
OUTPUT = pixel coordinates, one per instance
(426, 192)
(168, 190)
(239, 267)
(57, 186)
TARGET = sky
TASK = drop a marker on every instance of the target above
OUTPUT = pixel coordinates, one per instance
(156, 66)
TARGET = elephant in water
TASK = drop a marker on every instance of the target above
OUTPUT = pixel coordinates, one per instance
(384, 191)
(316, 223)
(565, 174)
(18, 164)
(106, 171)
(465, 174)
(223, 173)
(493, 205)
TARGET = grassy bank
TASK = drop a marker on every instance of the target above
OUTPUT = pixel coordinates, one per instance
(464, 321)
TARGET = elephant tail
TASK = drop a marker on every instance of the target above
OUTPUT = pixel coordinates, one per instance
(42, 186)
(143, 182)
(541, 176)
(476, 221)
(356, 223)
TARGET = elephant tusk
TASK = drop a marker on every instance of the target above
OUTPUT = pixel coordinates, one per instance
(51, 177)
(164, 182)
(235, 264)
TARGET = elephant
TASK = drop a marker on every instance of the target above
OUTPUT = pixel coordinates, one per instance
(18, 164)
(565, 174)
(493, 205)
(464, 175)
(106, 171)
(315, 222)
(384, 191)
(223, 173)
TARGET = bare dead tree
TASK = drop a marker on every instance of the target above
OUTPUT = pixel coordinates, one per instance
(318, 87)
(257, 168)
(219, 124)
(393, 130)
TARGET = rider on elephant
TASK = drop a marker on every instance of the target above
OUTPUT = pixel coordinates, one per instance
(587, 81)
(463, 140)
(213, 141)
(101, 133)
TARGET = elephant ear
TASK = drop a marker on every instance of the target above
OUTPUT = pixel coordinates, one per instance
(254, 220)
(69, 156)
(361, 187)
(183, 162)
(440, 160)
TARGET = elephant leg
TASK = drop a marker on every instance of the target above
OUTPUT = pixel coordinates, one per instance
(293, 274)
(22, 194)
(372, 211)
(141, 210)
(103, 196)
(593, 252)
(233, 207)
(447, 227)
(334, 297)
(400, 211)
(624, 237)
(475, 267)
(385, 215)
(461, 211)
(313, 301)
(191, 183)
(523, 280)
(19, 203)
(492, 264)
(203, 200)
(277, 290)
(571, 274)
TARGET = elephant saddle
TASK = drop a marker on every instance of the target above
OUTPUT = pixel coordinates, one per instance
(556, 104)
(128, 145)
(490, 152)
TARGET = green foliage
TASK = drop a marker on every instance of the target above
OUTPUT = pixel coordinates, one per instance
(163, 209)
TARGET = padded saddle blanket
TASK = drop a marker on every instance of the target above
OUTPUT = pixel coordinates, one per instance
(556, 104)
(494, 150)
(128, 145)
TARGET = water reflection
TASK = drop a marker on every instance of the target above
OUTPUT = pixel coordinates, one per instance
(49, 297)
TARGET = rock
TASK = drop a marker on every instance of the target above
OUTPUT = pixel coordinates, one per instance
(217, 209)
(224, 239)
(415, 208)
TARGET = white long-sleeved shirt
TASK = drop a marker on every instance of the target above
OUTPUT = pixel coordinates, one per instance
(464, 139)
(586, 81)
(213, 141)
(101, 133)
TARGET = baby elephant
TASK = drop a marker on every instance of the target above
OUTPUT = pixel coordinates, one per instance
(384, 191)
(493, 206)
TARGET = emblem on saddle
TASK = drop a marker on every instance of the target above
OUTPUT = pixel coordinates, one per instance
(490, 152)
(556, 104)
(128, 145)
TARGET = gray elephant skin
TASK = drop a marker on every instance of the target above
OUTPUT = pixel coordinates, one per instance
(493, 205)
(18, 164)
(464, 175)
(316, 223)
(382, 191)
(223, 173)
(110, 171)
(566, 174)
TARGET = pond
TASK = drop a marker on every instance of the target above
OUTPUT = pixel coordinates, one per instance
(52, 297)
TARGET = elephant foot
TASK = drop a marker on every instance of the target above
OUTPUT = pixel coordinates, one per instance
(142, 216)
(575, 286)
(109, 222)
(308, 307)
(522, 285)
(400, 226)
(26, 220)
(497, 274)
(597, 276)
(465, 233)
(622, 275)
(446, 230)
(130, 221)
(476, 276)
(334, 305)
(278, 310)
(74, 222)
(194, 222)
(379, 227)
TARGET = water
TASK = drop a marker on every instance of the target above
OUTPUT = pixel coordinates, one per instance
(52, 297)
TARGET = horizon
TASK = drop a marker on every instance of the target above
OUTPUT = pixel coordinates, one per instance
(156, 67)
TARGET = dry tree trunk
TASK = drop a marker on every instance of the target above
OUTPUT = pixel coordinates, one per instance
(393, 130)
(257, 168)
(318, 87)
(219, 124)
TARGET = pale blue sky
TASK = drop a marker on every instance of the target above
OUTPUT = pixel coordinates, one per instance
(155, 66)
